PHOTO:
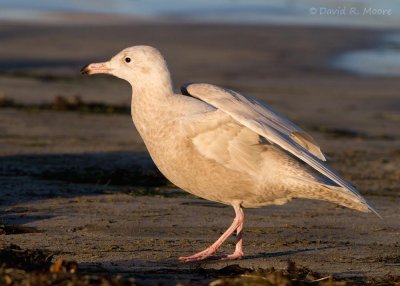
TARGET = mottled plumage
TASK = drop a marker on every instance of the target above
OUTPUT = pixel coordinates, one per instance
(223, 146)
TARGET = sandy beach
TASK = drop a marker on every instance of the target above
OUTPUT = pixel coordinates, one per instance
(81, 181)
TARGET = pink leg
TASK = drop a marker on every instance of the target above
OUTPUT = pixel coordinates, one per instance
(239, 243)
(237, 225)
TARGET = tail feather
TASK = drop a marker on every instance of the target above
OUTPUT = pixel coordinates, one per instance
(337, 195)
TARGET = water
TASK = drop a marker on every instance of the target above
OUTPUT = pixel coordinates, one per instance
(383, 61)
(316, 12)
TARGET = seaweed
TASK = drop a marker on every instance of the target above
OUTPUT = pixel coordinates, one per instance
(13, 256)
(63, 103)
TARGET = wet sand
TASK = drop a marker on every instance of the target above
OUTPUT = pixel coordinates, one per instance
(84, 182)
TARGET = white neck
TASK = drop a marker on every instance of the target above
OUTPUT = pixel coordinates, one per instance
(149, 103)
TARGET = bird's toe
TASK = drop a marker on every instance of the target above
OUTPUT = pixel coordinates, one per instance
(233, 256)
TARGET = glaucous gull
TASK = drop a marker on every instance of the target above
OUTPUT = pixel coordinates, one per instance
(223, 146)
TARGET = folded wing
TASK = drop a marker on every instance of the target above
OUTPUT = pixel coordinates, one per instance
(273, 127)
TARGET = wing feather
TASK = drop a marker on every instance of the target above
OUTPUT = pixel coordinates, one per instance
(273, 127)
(210, 93)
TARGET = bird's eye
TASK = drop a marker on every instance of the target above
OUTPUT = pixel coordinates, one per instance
(127, 59)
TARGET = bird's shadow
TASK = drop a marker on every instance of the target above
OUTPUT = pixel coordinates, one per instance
(217, 258)
(285, 253)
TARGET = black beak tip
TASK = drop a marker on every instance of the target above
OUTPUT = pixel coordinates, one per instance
(184, 88)
(85, 70)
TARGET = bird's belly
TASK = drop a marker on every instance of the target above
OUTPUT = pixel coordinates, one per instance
(186, 168)
(205, 178)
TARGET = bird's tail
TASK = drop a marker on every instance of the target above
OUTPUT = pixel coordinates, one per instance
(340, 196)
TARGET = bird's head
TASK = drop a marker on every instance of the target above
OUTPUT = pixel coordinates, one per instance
(139, 65)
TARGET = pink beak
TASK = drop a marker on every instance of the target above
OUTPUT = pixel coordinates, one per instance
(96, 68)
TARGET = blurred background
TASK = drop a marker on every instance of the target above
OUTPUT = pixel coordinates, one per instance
(224, 11)
(72, 164)
(354, 13)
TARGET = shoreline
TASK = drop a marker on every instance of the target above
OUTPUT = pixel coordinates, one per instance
(355, 42)
(382, 59)
(73, 18)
